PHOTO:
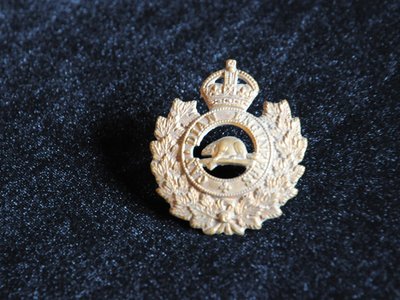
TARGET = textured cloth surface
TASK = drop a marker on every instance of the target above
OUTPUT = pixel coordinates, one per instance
(81, 85)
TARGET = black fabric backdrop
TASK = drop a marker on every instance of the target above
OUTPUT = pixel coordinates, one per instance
(81, 85)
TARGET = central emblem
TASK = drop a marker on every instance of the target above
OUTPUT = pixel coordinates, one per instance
(220, 205)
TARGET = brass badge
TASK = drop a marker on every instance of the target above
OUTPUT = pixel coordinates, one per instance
(218, 205)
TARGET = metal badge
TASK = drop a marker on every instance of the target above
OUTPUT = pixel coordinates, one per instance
(219, 205)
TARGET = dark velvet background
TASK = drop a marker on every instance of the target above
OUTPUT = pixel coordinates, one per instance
(81, 85)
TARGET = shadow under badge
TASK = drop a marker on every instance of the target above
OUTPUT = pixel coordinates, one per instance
(221, 205)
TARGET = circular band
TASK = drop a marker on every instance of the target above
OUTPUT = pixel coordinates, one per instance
(260, 159)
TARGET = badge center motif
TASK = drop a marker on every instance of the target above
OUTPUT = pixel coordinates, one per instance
(226, 151)
(219, 205)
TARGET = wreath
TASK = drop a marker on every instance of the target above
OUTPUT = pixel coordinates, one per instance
(228, 215)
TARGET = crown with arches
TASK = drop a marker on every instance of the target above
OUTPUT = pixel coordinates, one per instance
(229, 93)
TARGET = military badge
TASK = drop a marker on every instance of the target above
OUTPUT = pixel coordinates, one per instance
(227, 205)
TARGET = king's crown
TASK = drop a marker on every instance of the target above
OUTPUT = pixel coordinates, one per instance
(230, 93)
